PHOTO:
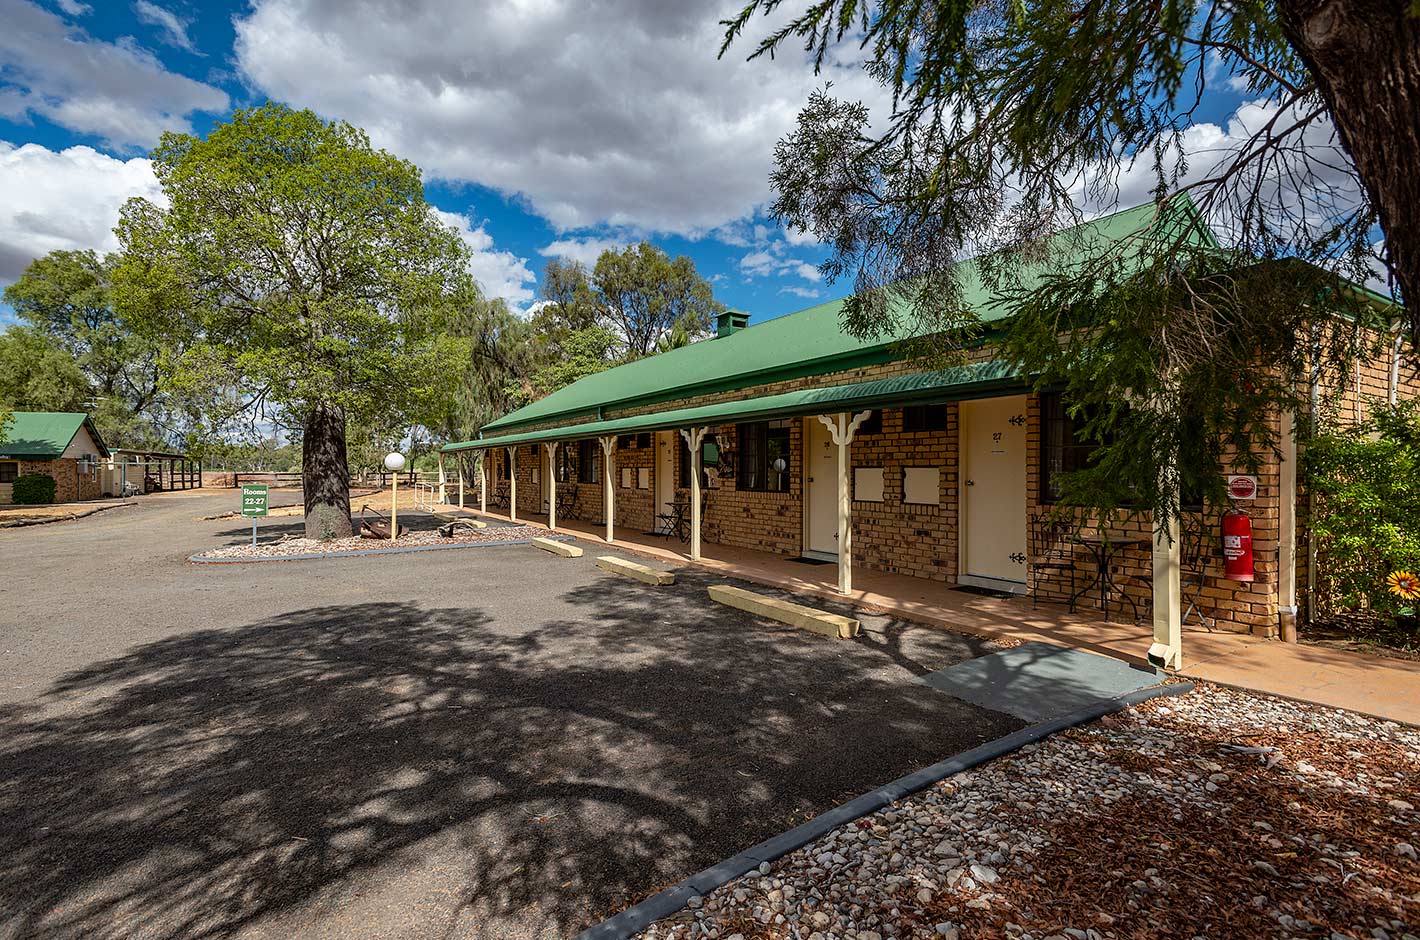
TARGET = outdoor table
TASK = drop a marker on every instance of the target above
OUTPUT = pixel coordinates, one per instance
(1103, 550)
(677, 521)
(567, 501)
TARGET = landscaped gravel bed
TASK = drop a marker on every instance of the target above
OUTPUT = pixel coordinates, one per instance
(302, 546)
(1216, 815)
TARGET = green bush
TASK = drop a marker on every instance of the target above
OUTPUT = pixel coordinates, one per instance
(33, 489)
(1366, 481)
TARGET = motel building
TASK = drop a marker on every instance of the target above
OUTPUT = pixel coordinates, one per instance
(792, 437)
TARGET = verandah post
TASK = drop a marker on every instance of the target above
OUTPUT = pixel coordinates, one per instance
(609, 481)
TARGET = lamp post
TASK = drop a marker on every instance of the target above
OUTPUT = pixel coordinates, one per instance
(394, 462)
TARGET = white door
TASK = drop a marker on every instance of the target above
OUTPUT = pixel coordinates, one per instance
(993, 487)
(821, 485)
(665, 471)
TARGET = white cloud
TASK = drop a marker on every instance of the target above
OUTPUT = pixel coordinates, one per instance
(63, 199)
(74, 7)
(586, 249)
(806, 292)
(114, 90)
(499, 273)
(1310, 182)
(174, 27)
(770, 261)
(615, 112)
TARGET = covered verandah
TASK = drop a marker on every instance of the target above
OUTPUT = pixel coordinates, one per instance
(841, 410)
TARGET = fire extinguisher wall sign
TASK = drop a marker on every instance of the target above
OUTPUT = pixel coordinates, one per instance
(1237, 546)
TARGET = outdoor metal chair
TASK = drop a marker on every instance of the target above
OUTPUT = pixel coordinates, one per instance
(1199, 552)
(1049, 550)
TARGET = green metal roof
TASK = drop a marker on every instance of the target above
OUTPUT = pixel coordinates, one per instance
(808, 342)
(969, 381)
(45, 434)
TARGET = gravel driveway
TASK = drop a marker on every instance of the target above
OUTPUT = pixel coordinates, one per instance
(476, 743)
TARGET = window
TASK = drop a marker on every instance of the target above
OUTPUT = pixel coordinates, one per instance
(500, 469)
(873, 424)
(924, 418)
(1063, 449)
(643, 440)
(709, 459)
(9, 470)
(587, 461)
(764, 456)
(625, 442)
(566, 469)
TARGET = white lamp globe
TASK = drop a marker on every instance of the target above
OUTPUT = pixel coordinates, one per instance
(394, 462)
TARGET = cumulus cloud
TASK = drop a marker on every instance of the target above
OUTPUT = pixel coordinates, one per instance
(63, 199)
(173, 27)
(499, 273)
(766, 262)
(74, 7)
(114, 90)
(585, 249)
(71, 198)
(614, 112)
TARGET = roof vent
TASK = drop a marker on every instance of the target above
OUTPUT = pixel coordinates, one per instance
(731, 321)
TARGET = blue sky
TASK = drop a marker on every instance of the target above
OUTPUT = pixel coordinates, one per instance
(544, 127)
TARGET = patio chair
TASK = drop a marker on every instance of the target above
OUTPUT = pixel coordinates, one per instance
(1199, 551)
(1049, 550)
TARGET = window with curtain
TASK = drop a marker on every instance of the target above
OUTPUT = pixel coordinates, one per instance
(587, 461)
(1063, 448)
(764, 457)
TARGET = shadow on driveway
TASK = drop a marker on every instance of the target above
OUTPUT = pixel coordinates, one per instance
(439, 772)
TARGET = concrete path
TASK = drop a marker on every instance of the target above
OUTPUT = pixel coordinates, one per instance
(1381, 686)
(1040, 681)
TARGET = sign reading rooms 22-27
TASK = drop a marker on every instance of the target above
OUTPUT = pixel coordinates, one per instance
(254, 499)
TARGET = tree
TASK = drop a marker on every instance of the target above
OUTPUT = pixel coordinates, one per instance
(644, 294)
(298, 263)
(1011, 118)
(37, 374)
(67, 296)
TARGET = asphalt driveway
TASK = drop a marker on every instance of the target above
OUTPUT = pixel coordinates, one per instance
(487, 742)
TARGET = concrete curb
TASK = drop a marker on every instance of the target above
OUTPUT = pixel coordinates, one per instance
(21, 523)
(670, 901)
(317, 556)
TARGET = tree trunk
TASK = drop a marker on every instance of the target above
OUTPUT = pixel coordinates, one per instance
(1365, 58)
(325, 474)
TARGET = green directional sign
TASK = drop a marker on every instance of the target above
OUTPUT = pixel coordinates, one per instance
(254, 499)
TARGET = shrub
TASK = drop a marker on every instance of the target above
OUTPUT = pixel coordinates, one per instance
(1366, 481)
(33, 489)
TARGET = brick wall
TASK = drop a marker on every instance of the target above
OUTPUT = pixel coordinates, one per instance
(922, 541)
(69, 484)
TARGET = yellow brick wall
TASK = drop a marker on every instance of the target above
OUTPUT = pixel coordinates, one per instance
(922, 541)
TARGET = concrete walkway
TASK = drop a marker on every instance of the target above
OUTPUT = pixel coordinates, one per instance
(1374, 685)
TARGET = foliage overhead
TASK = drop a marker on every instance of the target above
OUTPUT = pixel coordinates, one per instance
(1011, 121)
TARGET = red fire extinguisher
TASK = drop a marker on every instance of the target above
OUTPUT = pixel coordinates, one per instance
(1237, 546)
